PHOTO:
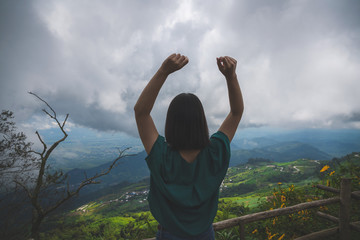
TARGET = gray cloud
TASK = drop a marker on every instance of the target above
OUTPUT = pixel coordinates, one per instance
(298, 61)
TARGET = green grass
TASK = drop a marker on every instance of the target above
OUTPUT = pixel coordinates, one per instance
(250, 201)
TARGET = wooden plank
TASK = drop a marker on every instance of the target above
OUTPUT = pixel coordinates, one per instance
(328, 217)
(273, 213)
(329, 189)
(320, 235)
(356, 195)
(355, 226)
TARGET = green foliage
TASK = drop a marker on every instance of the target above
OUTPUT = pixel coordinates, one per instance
(228, 235)
(346, 167)
(229, 209)
(292, 225)
(132, 226)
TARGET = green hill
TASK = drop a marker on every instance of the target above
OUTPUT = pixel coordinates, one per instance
(259, 175)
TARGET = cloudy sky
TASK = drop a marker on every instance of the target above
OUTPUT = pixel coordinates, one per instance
(298, 61)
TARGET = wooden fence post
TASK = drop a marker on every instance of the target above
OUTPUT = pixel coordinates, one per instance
(345, 206)
(242, 230)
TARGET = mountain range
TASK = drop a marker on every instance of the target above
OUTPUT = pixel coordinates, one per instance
(133, 168)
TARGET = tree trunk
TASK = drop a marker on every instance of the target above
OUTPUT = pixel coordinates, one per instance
(35, 228)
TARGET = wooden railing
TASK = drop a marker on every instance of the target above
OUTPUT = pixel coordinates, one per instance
(344, 228)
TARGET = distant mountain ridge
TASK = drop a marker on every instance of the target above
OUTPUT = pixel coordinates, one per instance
(279, 152)
(335, 142)
(257, 142)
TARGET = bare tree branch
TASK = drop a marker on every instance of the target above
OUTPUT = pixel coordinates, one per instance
(87, 181)
(62, 126)
(37, 153)
(43, 143)
(25, 188)
(46, 105)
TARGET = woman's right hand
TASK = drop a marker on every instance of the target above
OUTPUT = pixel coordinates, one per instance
(227, 66)
(173, 63)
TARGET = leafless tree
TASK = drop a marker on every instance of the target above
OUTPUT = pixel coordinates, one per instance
(43, 192)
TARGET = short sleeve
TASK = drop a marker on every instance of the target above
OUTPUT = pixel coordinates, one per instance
(220, 136)
(156, 155)
(220, 151)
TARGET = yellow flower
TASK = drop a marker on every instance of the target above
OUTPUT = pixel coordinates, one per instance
(324, 208)
(281, 237)
(282, 205)
(326, 167)
(283, 198)
(279, 183)
(331, 173)
(255, 231)
(271, 236)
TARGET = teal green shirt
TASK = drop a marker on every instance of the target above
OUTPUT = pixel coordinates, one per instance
(183, 196)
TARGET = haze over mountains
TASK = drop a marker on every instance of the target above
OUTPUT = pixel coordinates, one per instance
(277, 147)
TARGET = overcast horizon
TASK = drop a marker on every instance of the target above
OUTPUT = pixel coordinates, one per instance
(298, 61)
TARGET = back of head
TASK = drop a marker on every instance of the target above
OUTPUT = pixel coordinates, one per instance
(186, 127)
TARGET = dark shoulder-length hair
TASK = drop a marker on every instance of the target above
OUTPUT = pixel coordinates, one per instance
(186, 127)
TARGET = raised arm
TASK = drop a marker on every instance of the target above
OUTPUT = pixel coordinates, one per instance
(145, 124)
(227, 66)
